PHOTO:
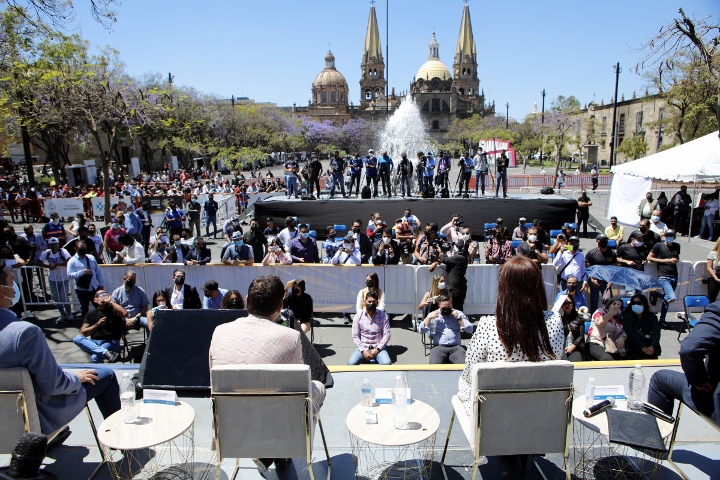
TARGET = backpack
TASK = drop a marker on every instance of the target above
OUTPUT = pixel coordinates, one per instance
(444, 193)
(428, 193)
(365, 193)
(547, 191)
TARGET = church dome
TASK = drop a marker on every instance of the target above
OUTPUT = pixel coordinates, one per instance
(330, 77)
(432, 69)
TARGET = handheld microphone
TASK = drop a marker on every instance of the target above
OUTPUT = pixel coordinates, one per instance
(656, 412)
(599, 407)
(27, 458)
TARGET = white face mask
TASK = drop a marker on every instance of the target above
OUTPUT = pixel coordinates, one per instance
(386, 240)
(532, 238)
(441, 285)
(637, 243)
(347, 246)
(655, 218)
(466, 236)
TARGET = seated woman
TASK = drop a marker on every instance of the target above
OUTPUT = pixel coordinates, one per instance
(372, 284)
(607, 322)
(300, 303)
(642, 329)
(158, 250)
(277, 254)
(522, 329)
(573, 330)
(332, 243)
(429, 302)
(158, 302)
(232, 300)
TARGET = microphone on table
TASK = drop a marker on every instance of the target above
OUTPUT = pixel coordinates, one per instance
(656, 412)
(26, 459)
(599, 407)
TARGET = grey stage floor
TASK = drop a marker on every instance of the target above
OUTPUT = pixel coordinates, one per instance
(697, 447)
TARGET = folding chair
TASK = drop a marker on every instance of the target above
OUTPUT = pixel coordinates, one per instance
(553, 235)
(19, 412)
(612, 244)
(276, 420)
(128, 345)
(689, 321)
(676, 427)
(340, 228)
(506, 399)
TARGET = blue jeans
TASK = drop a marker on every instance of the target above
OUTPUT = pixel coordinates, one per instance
(500, 179)
(337, 178)
(405, 180)
(707, 220)
(105, 392)
(59, 292)
(669, 284)
(96, 348)
(479, 181)
(291, 186)
(666, 386)
(382, 358)
(208, 220)
(595, 294)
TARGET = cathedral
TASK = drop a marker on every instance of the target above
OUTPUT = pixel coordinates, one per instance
(442, 95)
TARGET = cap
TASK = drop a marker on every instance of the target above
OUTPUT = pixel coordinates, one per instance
(349, 239)
(399, 220)
(371, 151)
(53, 240)
(236, 235)
(522, 219)
(636, 234)
(573, 238)
(670, 233)
(210, 285)
(460, 244)
(602, 236)
(499, 220)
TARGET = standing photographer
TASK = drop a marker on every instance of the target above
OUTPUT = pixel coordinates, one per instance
(456, 263)
(424, 250)
(466, 166)
(453, 228)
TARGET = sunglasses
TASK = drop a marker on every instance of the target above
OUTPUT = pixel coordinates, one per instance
(636, 303)
(568, 303)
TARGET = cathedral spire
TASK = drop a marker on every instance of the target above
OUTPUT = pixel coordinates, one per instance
(372, 82)
(373, 49)
(466, 40)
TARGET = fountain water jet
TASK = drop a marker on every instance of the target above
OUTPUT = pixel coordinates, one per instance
(405, 131)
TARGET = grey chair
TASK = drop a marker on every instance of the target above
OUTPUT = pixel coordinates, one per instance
(263, 411)
(20, 415)
(518, 408)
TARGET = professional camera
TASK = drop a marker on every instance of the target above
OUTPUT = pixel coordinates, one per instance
(443, 245)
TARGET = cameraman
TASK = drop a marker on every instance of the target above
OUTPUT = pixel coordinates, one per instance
(498, 249)
(455, 267)
(425, 252)
(405, 238)
(454, 228)
(386, 251)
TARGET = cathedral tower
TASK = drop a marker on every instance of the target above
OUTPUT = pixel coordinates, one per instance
(465, 74)
(372, 81)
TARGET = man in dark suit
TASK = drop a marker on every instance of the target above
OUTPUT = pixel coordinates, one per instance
(362, 241)
(200, 255)
(386, 251)
(178, 251)
(181, 296)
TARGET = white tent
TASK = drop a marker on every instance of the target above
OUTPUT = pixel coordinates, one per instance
(692, 162)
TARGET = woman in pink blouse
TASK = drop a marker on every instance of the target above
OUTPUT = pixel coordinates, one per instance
(607, 321)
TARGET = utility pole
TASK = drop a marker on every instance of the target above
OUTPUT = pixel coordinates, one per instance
(615, 129)
(507, 115)
(542, 122)
(387, 59)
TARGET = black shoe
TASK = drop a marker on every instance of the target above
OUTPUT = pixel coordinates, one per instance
(653, 299)
(59, 438)
(665, 326)
(112, 357)
(281, 463)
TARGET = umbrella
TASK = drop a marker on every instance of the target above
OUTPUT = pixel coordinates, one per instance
(629, 278)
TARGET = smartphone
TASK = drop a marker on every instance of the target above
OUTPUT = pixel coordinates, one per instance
(570, 248)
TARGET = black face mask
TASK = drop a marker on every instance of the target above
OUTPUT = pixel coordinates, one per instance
(369, 283)
(82, 251)
(208, 295)
(234, 303)
(602, 244)
(179, 280)
(253, 227)
(129, 283)
(297, 292)
(572, 288)
(356, 229)
(446, 311)
(370, 307)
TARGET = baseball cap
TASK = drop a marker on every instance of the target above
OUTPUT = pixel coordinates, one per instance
(522, 219)
(53, 240)
(210, 285)
(371, 151)
(460, 244)
(602, 236)
(573, 238)
(236, 236)
(670, 233)
(636, 234)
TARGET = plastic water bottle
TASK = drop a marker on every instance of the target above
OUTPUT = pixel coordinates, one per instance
(569, 340)
(590, 392)
(636, 385)
(127, 399)
(367, 399)
(399, 399)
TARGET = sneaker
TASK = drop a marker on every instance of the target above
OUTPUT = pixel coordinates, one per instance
(653, 299)
(61, 319)
(112, 357)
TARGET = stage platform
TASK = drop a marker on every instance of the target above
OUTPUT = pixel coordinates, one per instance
(696, 448)
(553, 210)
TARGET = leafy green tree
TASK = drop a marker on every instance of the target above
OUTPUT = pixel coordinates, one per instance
(634, 147)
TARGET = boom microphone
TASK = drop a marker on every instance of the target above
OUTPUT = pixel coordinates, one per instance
(599, 407)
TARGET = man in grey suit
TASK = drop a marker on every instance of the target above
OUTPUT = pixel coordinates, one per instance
(59, 395)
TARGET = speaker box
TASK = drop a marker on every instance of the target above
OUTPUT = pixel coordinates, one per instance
(177, 352)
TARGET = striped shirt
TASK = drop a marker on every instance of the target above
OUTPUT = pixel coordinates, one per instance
(372, 332)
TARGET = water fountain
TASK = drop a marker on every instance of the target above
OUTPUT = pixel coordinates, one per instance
(405, 131)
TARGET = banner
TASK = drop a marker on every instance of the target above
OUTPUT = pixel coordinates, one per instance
(65, 207)
(160, 203)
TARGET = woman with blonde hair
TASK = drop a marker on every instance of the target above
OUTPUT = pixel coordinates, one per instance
(713, 262)
(437, 288)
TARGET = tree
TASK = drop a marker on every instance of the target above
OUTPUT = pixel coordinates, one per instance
(557, 128)
(676, 40)
(314, 132)
(565, 104)
(59, 13)
(353, 135)
(634, 147)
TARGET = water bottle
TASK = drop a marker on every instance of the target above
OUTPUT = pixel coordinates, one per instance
(367, 399)
(636, 387)
(127, 399)
(590, 392)
(569, 340)
(399, 399)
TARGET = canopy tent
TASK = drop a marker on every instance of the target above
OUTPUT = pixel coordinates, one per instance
(692, 162)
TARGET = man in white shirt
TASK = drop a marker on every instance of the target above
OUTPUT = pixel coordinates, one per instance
(656, 225)
(570, 262)
(347, 254)
(132, 253)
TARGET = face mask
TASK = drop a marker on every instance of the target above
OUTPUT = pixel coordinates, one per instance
(441, 285)
(446, 311)
(297, 292)
(655, 218)
(572, 288)
(234, 303)
(179, 280)
(356, 230)
(208, 295)
(602, 244)
(16, 295)
(82, 251)
(305, 235)
(253, 227)
(386, 240)
(643, 229)
(669, 240)
(532, 238)
(239, 243)
(129, 283)
(637, 243)
(371, 307)
(369, 283)
(55, 247)
(55, 221)
(637, 308)
(194, 199)
(347, 246)
(161, 304)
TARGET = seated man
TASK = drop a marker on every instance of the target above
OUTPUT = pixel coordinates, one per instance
(238, 252)
(444, 326)
(572, 289)
(370, 333)
(213, 295)
(615, 231)
(200, 255)
(59, 395)
(533, 248)
(132, 253)
(181, 296)
(104, 326)
(386, 251)
(133, 299)
(303, 248)
(347, 254)
(229, 345)
(698, 386)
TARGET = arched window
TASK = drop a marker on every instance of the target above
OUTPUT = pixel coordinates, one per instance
(464, 71)
(324, 97)
(333, 97)
(377, 92)
(342, 97)
(368, 94)
(375, 73)
(462, 91)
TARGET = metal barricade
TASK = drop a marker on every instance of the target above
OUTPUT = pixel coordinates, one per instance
(35, 291)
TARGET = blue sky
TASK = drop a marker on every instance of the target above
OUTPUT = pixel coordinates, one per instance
(271, 51)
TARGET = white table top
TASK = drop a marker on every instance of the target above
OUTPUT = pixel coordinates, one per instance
(423, 422)
(157, 423)
(599, 423)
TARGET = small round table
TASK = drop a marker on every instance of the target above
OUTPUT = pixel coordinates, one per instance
(160, 442)
(382, 451)
(596, 457)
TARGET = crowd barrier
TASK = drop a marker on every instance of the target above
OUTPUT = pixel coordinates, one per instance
(40, 295)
